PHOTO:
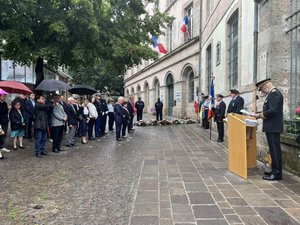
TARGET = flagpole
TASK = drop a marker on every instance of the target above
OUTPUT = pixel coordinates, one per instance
(210, 122)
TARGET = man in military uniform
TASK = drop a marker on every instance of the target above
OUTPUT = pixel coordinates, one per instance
(237, 102)
(139, 105)
(159, 108)
(272, 116)
(219, 111)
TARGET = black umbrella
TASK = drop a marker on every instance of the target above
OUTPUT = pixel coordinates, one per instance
(82, 90)
(52, 85)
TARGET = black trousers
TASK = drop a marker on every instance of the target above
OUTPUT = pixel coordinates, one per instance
(124, 126)
(275, 151)
(118, 130)
(111, 120)
(2, 137)
(139, 115)
(220, 126)
(130, 123)
(91, 127)
(28, 131)
(57, 134)
(103, 124)
(205, 122)
(159, 115)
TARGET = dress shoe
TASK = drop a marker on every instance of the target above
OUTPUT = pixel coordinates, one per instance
(60, 150)
(2, 157)
(118, 139)
(73, 144)
(69, 146)
(220, 140)
(21, 147)
(272, 177)
(44, 153)
(267, 173)
(15, 148)
(38, 155)
(83, 142)
(55, 151)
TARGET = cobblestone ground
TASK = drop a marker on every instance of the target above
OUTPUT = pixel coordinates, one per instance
(158, 176)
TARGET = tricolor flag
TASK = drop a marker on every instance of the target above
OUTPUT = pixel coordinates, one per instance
(212, 102)
(158, 46)
(185, 23)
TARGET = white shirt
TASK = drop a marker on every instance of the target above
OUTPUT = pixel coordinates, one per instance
(110, 107)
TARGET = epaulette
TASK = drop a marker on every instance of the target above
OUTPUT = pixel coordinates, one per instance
(274, 90)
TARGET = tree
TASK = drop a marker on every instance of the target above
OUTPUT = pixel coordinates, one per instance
(78, 34)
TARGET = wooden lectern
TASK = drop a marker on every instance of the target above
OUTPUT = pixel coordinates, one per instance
(241, 145)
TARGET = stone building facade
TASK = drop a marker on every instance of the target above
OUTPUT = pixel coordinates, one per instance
(224, 49)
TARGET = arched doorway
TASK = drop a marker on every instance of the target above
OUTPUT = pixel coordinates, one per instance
(170, 87)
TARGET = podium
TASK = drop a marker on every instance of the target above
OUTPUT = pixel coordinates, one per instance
(241, 145)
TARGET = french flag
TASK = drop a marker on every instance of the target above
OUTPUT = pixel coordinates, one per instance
(158, 46)
(185, 23)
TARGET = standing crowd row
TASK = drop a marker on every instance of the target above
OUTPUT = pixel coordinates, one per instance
(54, 117)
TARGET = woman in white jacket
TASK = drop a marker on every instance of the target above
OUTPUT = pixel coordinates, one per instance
(93, 116)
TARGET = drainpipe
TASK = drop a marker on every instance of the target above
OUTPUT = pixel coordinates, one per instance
(200, 45)
(255, 51)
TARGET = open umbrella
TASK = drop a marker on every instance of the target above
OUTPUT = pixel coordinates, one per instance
(52, 85)
(2, 92)
(82, 90)
(15, 87)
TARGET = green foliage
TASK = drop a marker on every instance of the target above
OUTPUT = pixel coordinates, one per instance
(79, 34)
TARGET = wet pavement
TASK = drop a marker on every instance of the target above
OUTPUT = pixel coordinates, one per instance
(157, 176)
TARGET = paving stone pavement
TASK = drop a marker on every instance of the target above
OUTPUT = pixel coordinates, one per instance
(157, 176)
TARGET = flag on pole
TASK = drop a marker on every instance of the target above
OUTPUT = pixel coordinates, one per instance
(196, 100)
(185, 23)
(157, 45)
(212, 102)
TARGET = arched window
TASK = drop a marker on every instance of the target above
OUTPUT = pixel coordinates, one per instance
(191, 87)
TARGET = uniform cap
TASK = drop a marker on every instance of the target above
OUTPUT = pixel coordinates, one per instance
(220, 96)
(260, 84)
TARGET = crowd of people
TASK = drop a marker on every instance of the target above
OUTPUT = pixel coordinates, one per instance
(219, 110)
(51, 119)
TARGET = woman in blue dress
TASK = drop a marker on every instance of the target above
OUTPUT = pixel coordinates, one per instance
(17, 124)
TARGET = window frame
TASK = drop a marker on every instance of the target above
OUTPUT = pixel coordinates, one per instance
(233, 50)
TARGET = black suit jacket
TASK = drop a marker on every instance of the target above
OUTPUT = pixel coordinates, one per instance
(29, 110)
(220, 112)
(130, 109)
(16, 122)
(273, 112)
(3, 113)
(119, 113)
(72, 114)
(236, 105)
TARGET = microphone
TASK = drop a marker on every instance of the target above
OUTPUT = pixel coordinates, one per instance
(253, 100)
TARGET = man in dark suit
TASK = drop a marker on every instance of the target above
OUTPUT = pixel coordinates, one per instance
(219, 116)
(237, 102)
(100, 112)
(104, 114)
(119, 115)
(29, 115)
(139, 105)
(159, 108)
(72, 119)
(272, 116)
(130, 108)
